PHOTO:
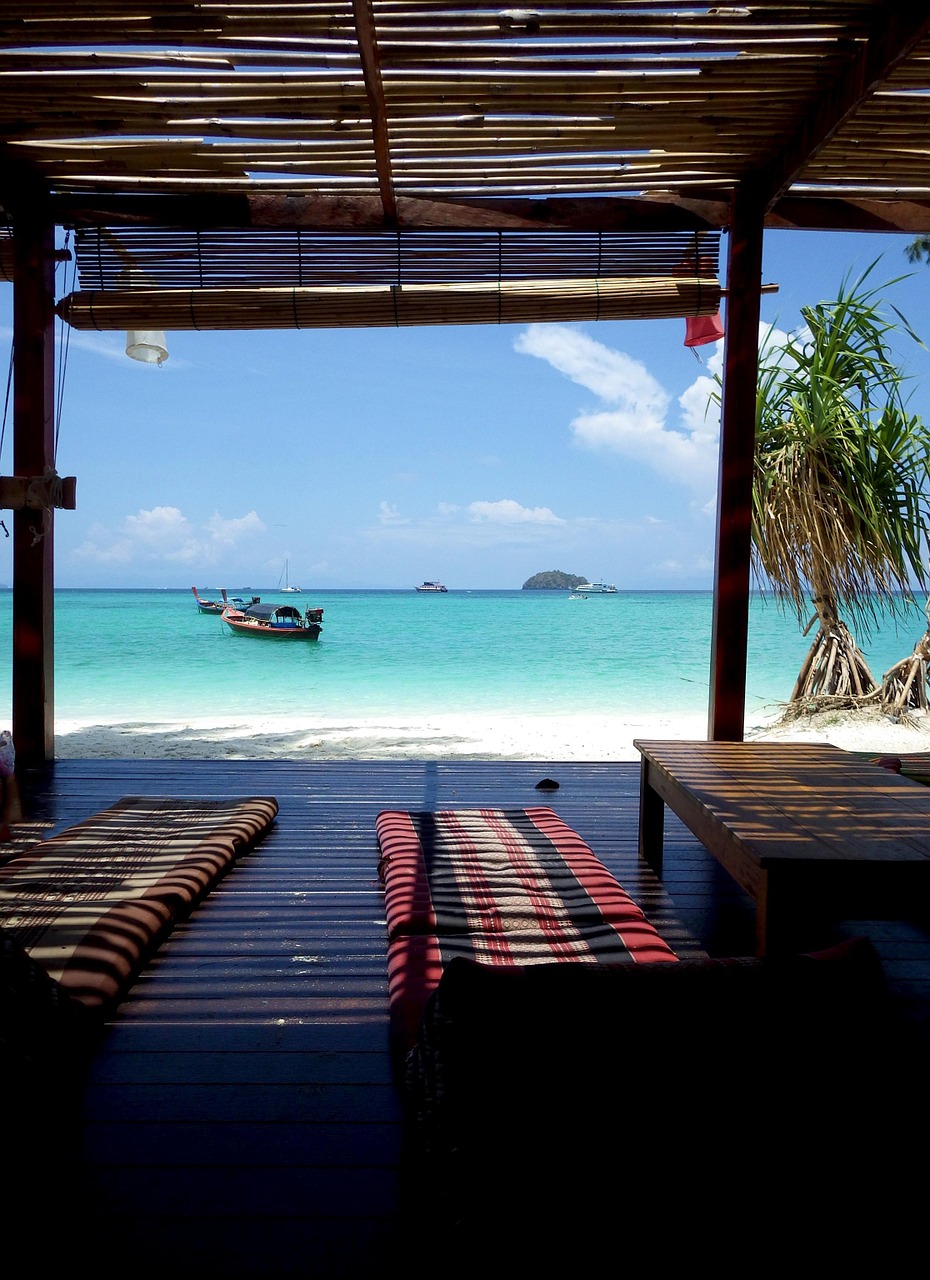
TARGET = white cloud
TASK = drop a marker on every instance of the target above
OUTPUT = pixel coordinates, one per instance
(633, 421)
(233, 531)
(698, 409)
(479, 524)
(112, 346)
(101, 546)
(161, 524)
(509, 512)
(165, 534)
(389, 514)
(611, 375)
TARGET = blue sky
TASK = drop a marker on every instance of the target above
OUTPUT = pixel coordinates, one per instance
(478, 455)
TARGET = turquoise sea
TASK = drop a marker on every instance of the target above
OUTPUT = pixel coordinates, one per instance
(133, 655)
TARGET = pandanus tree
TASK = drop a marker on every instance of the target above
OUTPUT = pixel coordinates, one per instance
(919, 249)
(904, 686)
(840, 496)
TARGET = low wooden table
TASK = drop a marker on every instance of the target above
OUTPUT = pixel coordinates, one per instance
(807, 830)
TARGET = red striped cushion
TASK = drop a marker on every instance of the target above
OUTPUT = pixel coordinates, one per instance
(501, 887)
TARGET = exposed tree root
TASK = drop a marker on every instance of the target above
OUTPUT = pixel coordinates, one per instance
(816, 704)
(905, 684)
(835, 666)
(869, 706)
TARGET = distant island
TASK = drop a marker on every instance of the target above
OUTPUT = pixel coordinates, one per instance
(553, 580)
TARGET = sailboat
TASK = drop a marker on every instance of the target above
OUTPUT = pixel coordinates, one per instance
(287, 586)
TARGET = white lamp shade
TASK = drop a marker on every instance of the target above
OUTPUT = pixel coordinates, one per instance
(146, 345)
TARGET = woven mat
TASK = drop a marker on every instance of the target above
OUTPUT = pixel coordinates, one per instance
(911, 764)
(92, 903)
(22, 837)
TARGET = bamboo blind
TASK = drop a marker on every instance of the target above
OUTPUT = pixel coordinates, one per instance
(113, 258)
(261, 279)
(380, 306)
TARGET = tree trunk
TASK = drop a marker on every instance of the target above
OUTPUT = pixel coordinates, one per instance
(904, 686)
(834, 670)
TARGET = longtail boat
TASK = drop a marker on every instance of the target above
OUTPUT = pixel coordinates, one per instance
(275, 622)
(217, 606)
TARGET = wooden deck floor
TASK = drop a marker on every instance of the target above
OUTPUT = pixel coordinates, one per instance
(240, 1119)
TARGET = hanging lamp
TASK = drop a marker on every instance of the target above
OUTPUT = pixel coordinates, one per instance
(146, 345)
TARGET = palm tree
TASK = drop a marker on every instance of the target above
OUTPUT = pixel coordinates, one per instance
(840, 500)
(919, 249)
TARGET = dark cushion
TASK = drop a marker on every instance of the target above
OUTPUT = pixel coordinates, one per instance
(589, 1092)
(46, 1039)
(40, 1024)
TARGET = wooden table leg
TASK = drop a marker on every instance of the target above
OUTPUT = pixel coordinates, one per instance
(651, 821)
(763, 939)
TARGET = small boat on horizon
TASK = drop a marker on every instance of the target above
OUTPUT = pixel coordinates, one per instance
(284, 578)
(431, 586)
(275, 622)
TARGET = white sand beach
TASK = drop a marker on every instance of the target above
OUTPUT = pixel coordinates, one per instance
(458, 737)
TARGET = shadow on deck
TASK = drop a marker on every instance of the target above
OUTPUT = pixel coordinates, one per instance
(240, 1118)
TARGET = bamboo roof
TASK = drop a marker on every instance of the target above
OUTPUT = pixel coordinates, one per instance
(395, 117)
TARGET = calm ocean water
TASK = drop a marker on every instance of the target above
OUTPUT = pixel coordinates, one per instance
(136, 655)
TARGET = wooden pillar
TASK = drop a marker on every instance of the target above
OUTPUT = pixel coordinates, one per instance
(33, 452)
(730, 631)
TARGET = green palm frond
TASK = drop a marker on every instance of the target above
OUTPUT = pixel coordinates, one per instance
(840, 494)
(919, 249)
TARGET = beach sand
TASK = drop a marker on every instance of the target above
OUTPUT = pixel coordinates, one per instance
(457, 737)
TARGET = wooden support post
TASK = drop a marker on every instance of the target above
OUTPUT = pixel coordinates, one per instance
(730, 630)
(33, 455)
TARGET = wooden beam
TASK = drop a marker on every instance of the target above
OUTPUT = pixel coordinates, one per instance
(803, 213)
(351, 212)
(33, 455)
(374, 86)
(899, 217)
(354, 212)
(900, 27)
(730, 628)
(39, 493)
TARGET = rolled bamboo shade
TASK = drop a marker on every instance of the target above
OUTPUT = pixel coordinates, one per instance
(389, 306)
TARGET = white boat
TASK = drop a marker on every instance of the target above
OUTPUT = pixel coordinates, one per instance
(596, 589)
(431, 586)
(287, 586)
